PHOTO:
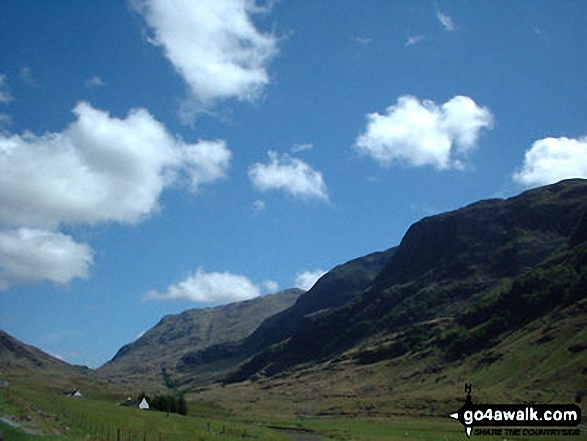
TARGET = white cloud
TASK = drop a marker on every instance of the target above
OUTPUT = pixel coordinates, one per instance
(5, 95)
(288, 174)
(306, 280)
(98, 169)
(211, 287)
(29, 255)
(213, 45)
(271, 286)
(411, 41)
(551, 160)
(95, 81)
(446, 21)
(424, 134)
(205, 162)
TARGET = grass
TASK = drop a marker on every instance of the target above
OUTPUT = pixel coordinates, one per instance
(77, 419)
(69, 419)
(377, 429)
(10, 433)
(338, 400)
(16, 423)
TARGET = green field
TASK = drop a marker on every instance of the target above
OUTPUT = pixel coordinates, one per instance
(62, 417)
(41, 415)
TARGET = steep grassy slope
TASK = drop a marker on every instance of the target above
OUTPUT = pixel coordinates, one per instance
(524, 341)
(493, 293)
(150, 361)
(23, 365)
(338, 287)
(455, 270)
(15, 355)
(540, 362)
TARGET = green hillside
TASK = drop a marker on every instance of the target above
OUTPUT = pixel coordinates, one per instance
(493, 294)
(458, 281)
(154, 361)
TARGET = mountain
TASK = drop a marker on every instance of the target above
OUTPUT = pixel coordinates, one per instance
(494, 294)
(16, 355)
(150, 360)
(336, 288)
(23, 364)
(339, 286)
(456, 283)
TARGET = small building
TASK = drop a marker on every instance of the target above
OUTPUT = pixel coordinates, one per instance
(77, 394)
(144, 404)
(133, 403)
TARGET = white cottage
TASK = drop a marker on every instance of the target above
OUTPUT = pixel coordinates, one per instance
(144, 404)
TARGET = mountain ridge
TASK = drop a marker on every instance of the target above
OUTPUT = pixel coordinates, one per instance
(443, 264)
(149, 358)
(337, 287)
(16, 354)
(461, 291)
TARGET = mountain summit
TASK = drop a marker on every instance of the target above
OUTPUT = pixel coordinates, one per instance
(494, 292)
(445, 267)
(149, 359)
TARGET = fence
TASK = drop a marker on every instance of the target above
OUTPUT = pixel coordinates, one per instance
(73, 416)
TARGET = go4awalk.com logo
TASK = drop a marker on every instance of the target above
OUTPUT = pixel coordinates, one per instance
(518, 419)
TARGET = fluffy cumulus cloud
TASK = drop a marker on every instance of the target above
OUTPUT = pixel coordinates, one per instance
(550, 160)
(98, 169)
(288, 174)
(28, 255)
(213, 287)
(271, 286)
(213, 44)
(306, 280)
(423, 133)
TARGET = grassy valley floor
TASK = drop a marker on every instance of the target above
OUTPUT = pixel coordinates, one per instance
(42, 415)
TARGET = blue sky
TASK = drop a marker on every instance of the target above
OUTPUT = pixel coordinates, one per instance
(154, 159)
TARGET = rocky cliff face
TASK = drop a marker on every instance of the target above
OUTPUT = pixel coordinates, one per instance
(446, 291)
(499, 237)
(445, 266)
